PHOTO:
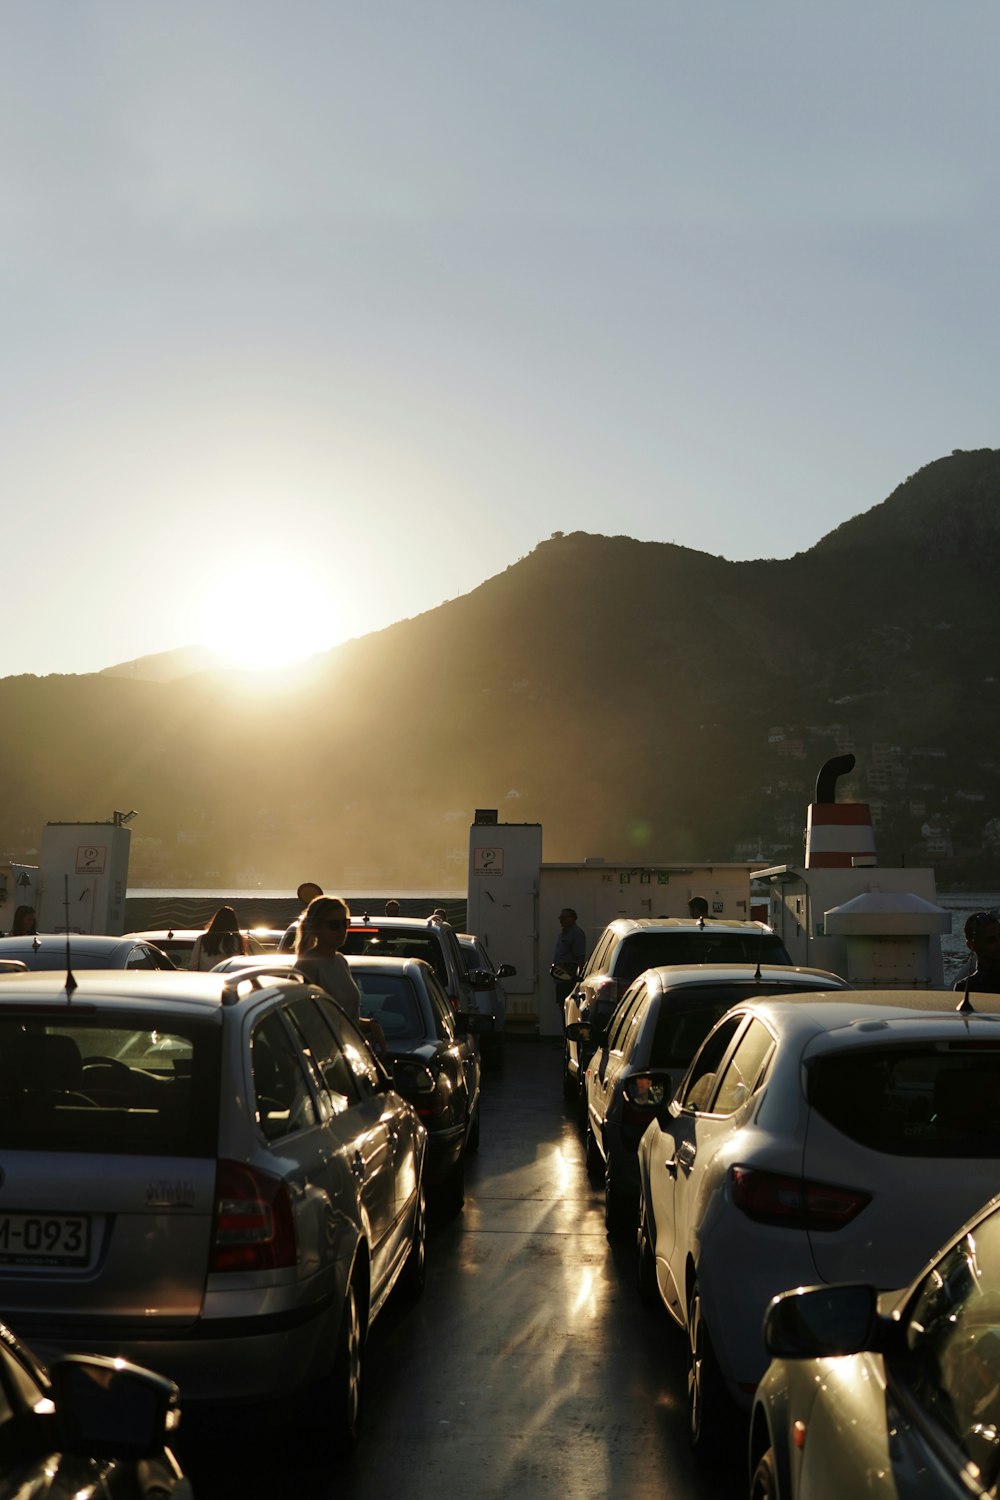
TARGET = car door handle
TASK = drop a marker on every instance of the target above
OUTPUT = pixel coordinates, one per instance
(671, 1166)
(685, 1155)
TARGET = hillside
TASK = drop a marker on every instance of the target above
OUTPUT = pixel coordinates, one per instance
(634, 697)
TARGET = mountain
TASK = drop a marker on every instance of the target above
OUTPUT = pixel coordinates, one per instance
(640, 700)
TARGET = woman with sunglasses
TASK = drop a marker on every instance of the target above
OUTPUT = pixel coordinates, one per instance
(322, 933)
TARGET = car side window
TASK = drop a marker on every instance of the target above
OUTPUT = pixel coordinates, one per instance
(141, 958)
(443, 1016)
(744, 1069)
(284, 1103)
(597, 962)
(953, 1341)
(700, 1082)
(368, 1077)
(623, 1017)
(319, 1042)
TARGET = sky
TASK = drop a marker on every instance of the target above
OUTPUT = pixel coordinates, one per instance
(316, 314)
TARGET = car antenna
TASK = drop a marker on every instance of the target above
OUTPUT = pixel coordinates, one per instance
(70, 981)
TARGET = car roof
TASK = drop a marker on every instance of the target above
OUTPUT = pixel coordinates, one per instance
(400, 923)
(79, 942)
(624, 925)
(387, 964)
(177, 989)
(162, 934)
(866, 1016)
(683, 976)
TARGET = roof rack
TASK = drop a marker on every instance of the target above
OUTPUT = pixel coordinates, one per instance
(255, 977)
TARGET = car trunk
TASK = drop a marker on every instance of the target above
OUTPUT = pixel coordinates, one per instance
(916, 1125)
(108, 1141)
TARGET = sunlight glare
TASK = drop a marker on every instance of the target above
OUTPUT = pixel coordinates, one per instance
(258, 613)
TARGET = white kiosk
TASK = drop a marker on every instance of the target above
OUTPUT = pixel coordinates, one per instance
(83, 877)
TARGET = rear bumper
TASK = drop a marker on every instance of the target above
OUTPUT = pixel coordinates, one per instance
(213, 1359)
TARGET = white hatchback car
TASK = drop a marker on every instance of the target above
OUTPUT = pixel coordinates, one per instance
(663, 1018)
(826, 1140)
(210, 1174)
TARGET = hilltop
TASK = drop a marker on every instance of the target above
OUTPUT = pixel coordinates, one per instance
(634, 697)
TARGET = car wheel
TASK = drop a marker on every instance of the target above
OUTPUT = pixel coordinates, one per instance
(414, 1276)
(619, 1215)
(595, 1161)
(646, 1260)
(707, 1401)
(570, 1090)
(474, 1132)
(346, 1380)
(451, 1195)
(764, 1483)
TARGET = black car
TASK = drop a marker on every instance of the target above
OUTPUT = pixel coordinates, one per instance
(434, 1060)
(84, 950)
(87, 1427)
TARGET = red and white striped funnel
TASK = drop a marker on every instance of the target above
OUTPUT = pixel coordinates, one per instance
(838, 834)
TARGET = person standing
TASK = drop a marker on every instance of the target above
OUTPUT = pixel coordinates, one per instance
(221, 939)
(322, 932)
(306, 892)
(568, 955)
(24, 922)
(982, 938)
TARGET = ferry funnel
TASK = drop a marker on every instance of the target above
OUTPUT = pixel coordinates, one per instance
(839, 835)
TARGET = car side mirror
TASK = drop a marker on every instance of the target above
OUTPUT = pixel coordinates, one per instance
(818, 1322)
(506, 971)
(482, 979)
(579, 1031)
(109, 1408)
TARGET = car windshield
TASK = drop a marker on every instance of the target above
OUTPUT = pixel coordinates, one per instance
(390, 1000)
(125, 1085)
(930, 1099)
(695, 945)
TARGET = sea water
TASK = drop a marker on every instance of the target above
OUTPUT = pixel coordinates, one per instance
(961, 904)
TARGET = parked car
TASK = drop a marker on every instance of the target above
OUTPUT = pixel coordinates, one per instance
(433, 1059)
(490, 1000)
(629, 945)
(811, 1141)
(889, 1396)
(85, 950)
(421, 937)
(86, 1429)
(663, 1018)
(209, 1174)
(178, 942)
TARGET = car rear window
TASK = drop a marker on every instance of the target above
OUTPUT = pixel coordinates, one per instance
(392, 943)
(649, 950)
(937, 1099)
(139, 1084)
(390, 1000)
(679, 1033)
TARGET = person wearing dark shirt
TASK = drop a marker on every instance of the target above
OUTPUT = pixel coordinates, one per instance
(982, 938)
(568, 956)
(307, 891)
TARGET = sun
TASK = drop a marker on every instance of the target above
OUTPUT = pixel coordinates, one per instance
(259, 613)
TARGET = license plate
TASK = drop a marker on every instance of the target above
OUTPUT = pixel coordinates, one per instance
(44, 1239)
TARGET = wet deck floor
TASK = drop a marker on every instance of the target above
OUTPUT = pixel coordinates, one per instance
(530, 1368)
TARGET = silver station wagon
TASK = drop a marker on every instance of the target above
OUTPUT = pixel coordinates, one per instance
(209, 1174)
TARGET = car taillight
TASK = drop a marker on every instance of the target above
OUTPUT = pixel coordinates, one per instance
(642, 1095)
(794, 1202)
(254, 1228)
